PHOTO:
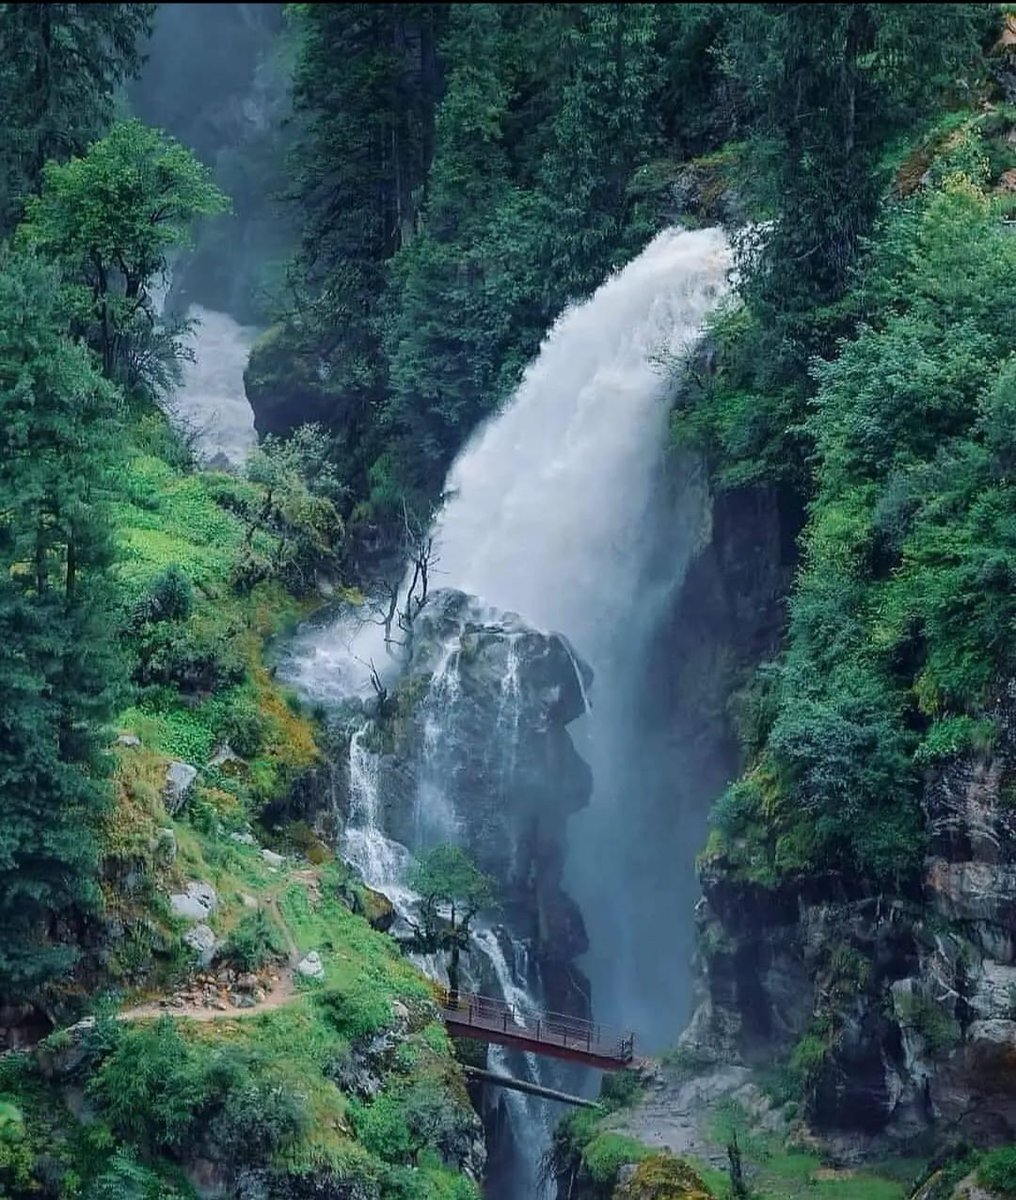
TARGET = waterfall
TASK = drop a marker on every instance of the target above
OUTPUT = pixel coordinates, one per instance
(560, 509)
(211, 400)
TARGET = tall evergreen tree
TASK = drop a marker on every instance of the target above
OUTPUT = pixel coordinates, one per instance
(60, 67)
(827, 87)
(450, 319)
(58, 665)
(607, 125)
(364, 92)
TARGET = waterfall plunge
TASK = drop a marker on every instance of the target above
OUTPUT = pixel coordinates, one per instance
(558, 510)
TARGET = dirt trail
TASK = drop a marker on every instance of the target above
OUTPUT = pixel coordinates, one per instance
(282, 992)
(283, 988)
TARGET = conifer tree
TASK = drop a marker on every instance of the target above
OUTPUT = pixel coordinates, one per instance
(60, 68)
(58, 666)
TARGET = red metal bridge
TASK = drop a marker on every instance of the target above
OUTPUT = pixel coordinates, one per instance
(467, 1015)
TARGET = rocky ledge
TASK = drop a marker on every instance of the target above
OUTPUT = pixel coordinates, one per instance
(896, 1016)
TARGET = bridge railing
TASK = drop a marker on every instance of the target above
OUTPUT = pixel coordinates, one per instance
(555, 1029)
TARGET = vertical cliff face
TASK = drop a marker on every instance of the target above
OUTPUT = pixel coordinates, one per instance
(897, 1015)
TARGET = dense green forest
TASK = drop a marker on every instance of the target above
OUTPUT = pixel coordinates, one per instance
(458, 174)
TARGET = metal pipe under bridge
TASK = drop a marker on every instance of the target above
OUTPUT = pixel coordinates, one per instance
(467, 1015)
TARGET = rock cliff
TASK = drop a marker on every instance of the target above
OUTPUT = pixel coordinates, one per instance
(897, 1015)
(474, 748)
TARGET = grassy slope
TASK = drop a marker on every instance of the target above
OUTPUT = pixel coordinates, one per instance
(165, 514)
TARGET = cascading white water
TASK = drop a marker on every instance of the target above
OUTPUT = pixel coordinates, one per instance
(211, 399)
(557, 510)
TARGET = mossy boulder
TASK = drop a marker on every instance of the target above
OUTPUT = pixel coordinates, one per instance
(663, 1177)
(378, 909)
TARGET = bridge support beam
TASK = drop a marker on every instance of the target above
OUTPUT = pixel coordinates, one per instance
(522, 1085)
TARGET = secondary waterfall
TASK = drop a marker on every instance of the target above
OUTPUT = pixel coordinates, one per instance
(211, 401)
(560, 509)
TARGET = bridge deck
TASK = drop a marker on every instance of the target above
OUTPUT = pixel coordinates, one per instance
(554, 1034)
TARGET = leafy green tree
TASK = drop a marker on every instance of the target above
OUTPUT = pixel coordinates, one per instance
(293, 526)
(110, 219)
(902, 620)
(452, 891)
(58, 664)
(60, 68)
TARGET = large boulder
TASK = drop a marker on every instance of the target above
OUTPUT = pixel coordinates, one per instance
(473, 747)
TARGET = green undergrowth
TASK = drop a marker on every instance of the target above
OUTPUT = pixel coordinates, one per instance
(591, 1151)
(273, 1091)
(901, 619)
(349, 1083)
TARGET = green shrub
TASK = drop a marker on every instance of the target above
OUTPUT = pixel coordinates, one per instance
(383, 1129)
(620, 1089)
(160, 1092)
(255, 942)
(355, 1012)
(244, 726)
(187, 656)
(156, 1088)
(259, 1117)
(997, 1170)
(404, 1123)
(939, 1029)
(124, 1178)
(170, 597)
(607, 1153)
(953, 736)
(17, 1159)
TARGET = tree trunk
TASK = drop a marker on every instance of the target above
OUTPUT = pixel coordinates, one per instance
(453, 976)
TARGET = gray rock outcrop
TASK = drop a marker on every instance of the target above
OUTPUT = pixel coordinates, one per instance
(180, 778)
(197, 903)
(472, 746)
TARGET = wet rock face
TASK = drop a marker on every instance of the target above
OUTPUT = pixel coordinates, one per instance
(916, 996)
(477, 752)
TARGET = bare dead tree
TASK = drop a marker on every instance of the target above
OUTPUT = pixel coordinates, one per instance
(394, 610)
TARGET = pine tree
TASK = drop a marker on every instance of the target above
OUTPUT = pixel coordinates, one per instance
(606, 125)
(60, 68)
(827, 86)
(449, 325)
(58, 665)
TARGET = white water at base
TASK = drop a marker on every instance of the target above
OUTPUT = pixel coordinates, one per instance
(211, 400)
